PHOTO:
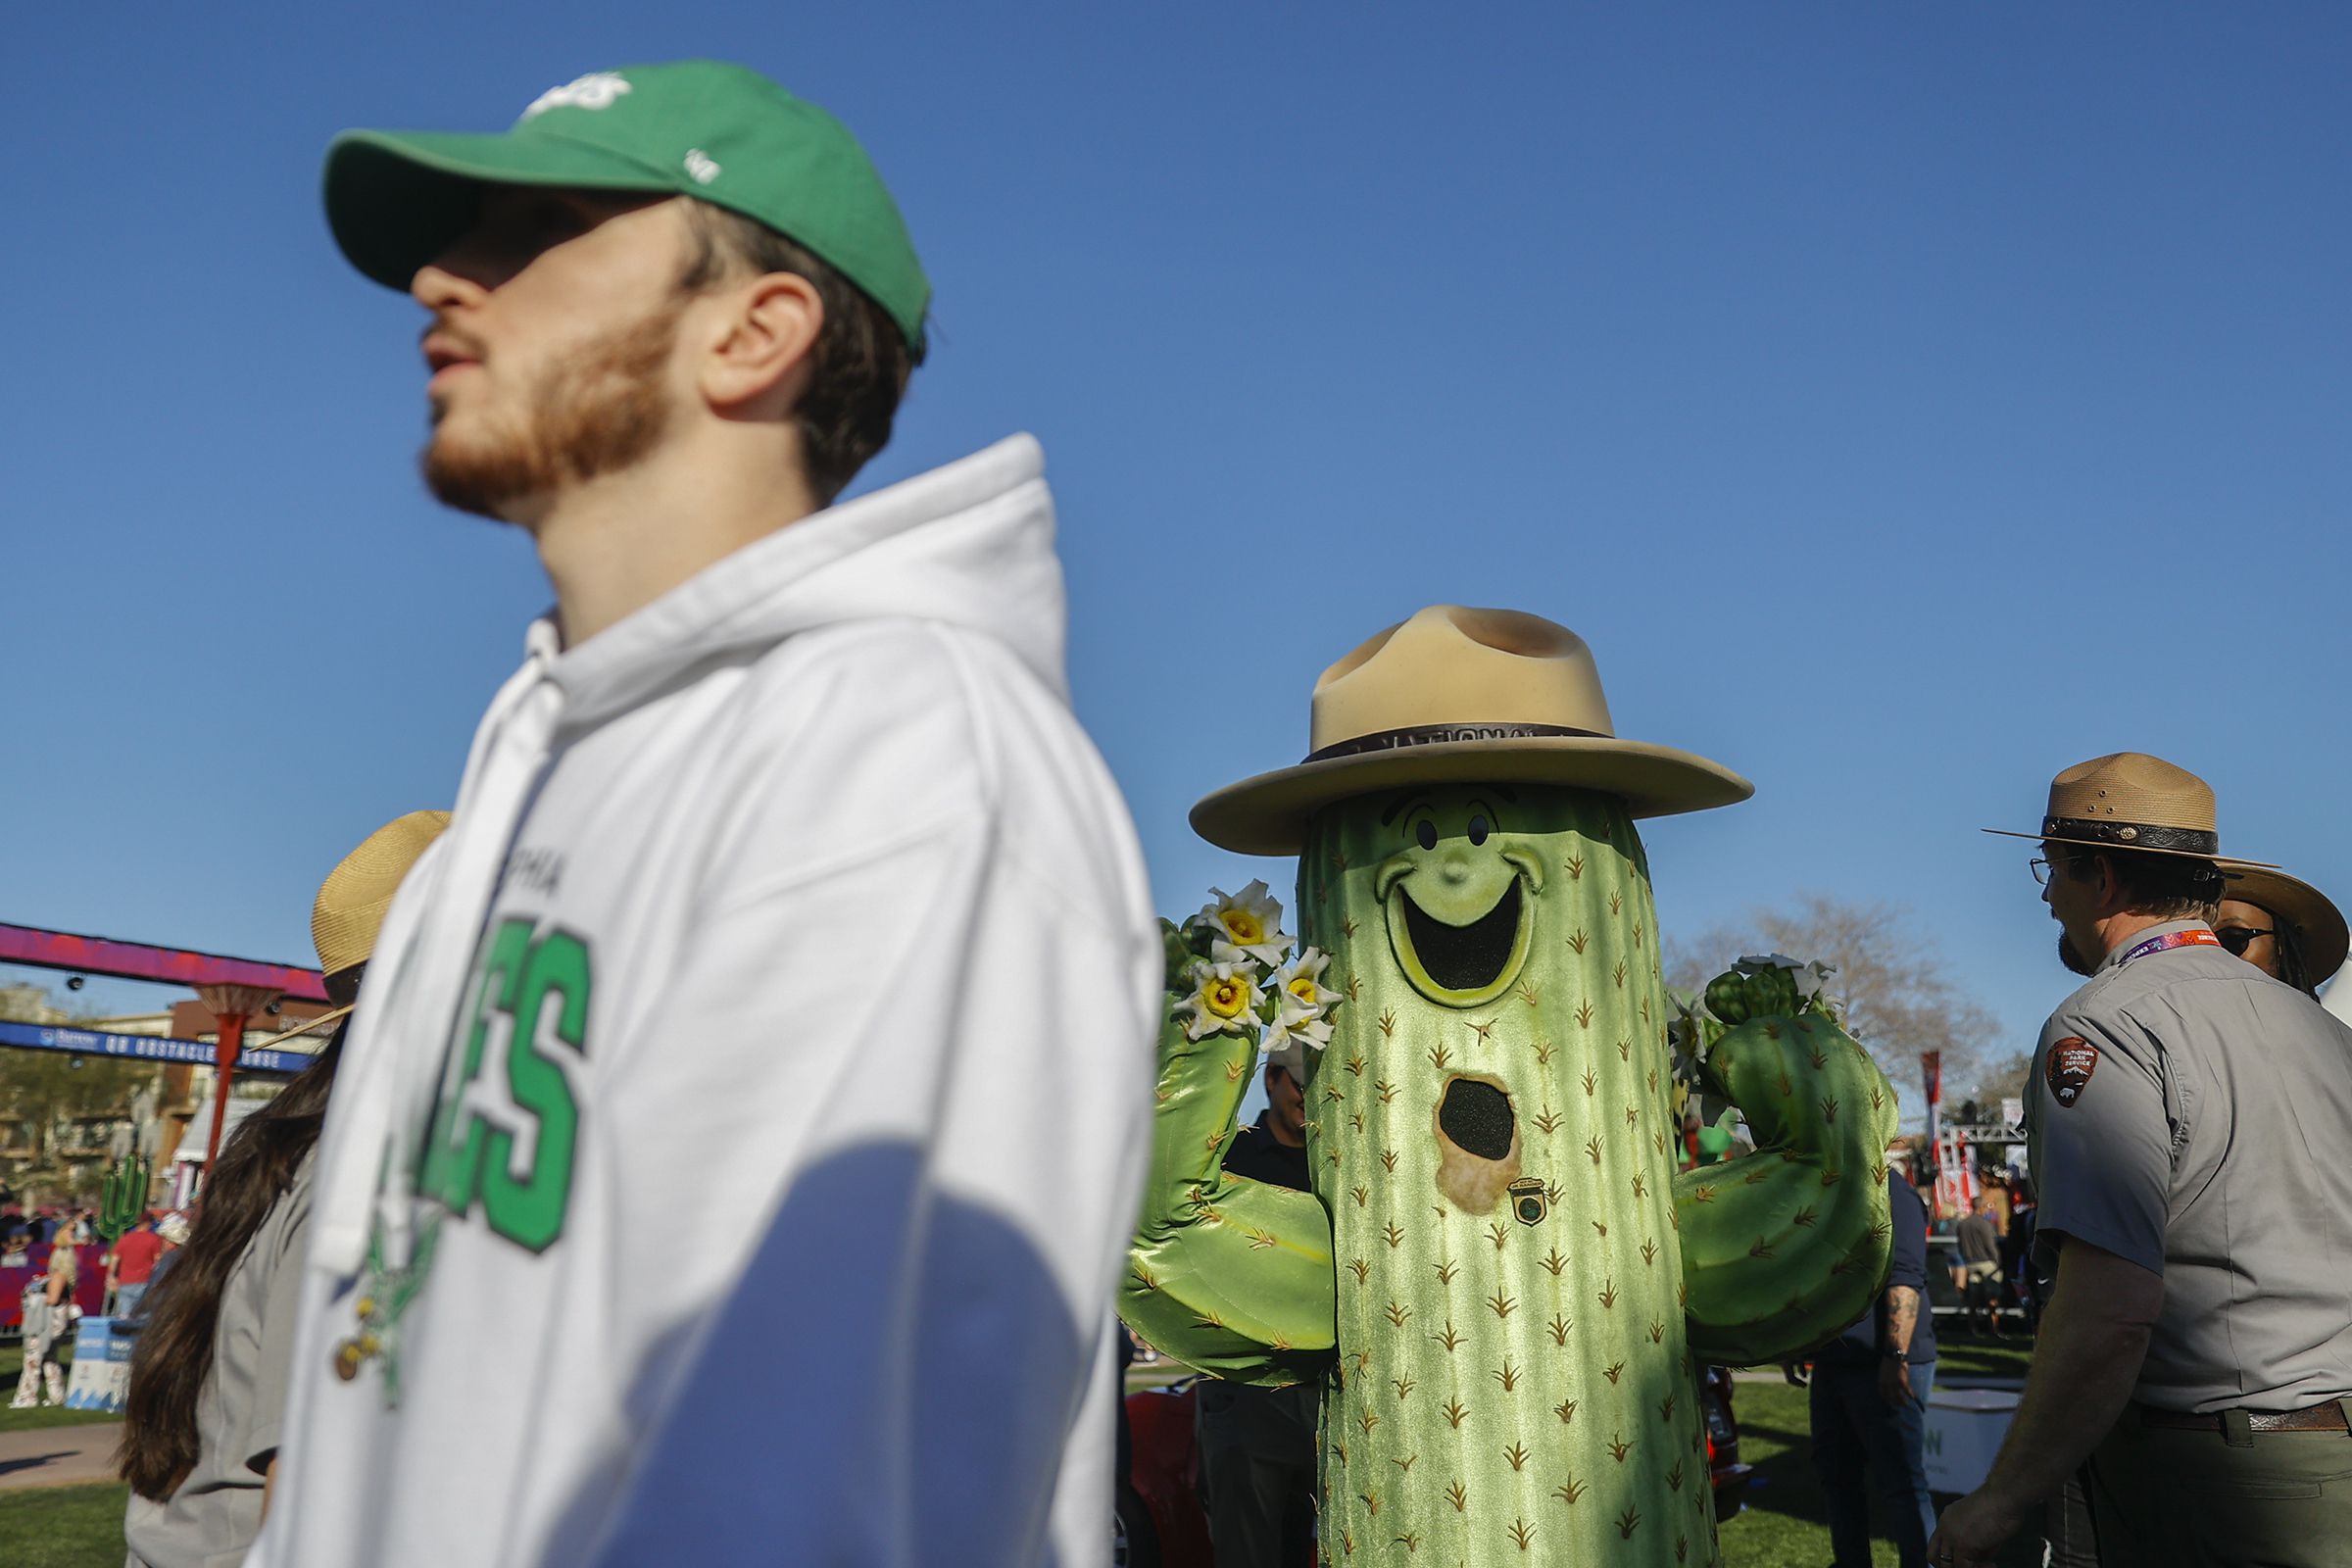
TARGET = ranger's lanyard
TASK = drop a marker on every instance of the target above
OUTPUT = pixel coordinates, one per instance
(2199, 938)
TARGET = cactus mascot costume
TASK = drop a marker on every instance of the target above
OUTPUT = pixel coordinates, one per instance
(1501, 1284)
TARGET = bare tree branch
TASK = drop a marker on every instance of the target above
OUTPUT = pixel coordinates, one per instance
(1890, 985)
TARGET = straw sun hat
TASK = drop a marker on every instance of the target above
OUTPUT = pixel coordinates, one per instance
(1460, 696)
(352, 900)
(2295, 902)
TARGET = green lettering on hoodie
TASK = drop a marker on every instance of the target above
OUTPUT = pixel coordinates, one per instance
(470, 1159)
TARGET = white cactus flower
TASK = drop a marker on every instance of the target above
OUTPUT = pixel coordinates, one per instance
(1224, 1000)
(1299, 992)
(1247, 924)
(1296, 1029)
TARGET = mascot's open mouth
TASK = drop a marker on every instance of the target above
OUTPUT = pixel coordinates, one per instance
(1465, 958)
(1460, 965)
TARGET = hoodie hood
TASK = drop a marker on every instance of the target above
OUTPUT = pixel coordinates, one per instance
(970, 545)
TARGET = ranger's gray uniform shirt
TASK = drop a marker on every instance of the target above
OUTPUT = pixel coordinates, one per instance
(214, 1516)
(2194, 1116)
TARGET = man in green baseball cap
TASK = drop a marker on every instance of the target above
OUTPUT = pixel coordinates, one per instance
(689, 1197)
(526, 244)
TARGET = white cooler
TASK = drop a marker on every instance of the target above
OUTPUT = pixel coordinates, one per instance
(101, 1367)
(1965, 1428)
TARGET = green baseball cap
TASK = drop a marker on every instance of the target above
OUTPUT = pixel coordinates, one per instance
(703, 128)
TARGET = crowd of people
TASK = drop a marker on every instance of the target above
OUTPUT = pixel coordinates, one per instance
(49, 1303)
(787, 913)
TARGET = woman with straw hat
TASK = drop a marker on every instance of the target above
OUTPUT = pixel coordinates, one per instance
(200, 1430)
(2281, 925)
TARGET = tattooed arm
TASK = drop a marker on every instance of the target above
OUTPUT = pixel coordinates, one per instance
(1902, 1318)
(1906, 1290)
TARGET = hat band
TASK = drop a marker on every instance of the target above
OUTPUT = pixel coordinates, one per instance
(2133, 835)
(1398, 740)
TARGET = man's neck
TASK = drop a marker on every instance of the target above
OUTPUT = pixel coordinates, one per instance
(618, 543)
(2119, 929)
(1281, 1134)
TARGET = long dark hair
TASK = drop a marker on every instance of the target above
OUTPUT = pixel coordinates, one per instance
(2293, 968)
(174, 1354)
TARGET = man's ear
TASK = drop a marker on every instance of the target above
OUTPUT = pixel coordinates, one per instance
(760, 349)
(2110, 886)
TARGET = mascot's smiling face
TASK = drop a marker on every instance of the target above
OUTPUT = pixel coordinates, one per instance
(1459, 891)
(1493, 947)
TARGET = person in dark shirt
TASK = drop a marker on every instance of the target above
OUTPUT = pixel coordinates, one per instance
(1979, 1240)
(1257, 1445)
(1870, 1398)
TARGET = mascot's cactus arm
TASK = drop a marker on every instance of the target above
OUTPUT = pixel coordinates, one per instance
(1228, 1276)
(1784, 1247)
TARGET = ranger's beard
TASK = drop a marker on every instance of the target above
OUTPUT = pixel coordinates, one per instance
(2073, 959)
(596, 411)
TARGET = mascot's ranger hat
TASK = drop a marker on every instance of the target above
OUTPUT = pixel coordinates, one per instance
(2129, 801)
(1460, 696)
(692, 127)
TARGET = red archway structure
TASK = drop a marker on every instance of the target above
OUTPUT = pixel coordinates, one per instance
(235, 989)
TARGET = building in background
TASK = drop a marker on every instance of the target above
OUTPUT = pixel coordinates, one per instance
(65, 1118)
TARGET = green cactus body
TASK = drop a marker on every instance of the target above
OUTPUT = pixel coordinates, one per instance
(1490, 1130)
(1523, 1287)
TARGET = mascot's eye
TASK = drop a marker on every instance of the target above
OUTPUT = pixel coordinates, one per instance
(1478, 830)
(1426, 832)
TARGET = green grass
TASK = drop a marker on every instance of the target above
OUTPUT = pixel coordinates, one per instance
(1964, 1356)
(64, 1527)
(12, 1361)
(1784, 1523)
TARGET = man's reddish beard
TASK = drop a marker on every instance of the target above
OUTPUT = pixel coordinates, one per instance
(596, 411)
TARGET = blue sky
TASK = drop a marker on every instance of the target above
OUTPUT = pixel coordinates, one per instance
(1905, 402)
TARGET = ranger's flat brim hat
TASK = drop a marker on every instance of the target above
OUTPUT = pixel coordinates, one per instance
(2129, 801)
(2318, 923)
(1457, 695)
(703, 128)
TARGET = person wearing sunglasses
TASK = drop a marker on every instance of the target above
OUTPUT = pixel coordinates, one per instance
(2195, 1353)
(2281, 925)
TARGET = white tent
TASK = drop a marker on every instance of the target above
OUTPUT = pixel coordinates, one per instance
(187, 1161)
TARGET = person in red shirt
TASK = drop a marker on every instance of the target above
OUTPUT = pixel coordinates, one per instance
(130, 1265)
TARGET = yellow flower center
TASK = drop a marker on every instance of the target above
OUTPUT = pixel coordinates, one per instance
(1243, 927)
(1227, 998)
(1303, 988)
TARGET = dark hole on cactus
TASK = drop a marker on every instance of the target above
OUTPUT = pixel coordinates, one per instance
(1465, 958)
(1477, 1116)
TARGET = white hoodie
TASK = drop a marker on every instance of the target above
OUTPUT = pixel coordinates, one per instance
(744, 1117)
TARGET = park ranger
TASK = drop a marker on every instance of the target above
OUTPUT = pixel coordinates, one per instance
(2188, 1121)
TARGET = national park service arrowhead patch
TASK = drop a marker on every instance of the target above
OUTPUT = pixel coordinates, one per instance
(2072, 1062)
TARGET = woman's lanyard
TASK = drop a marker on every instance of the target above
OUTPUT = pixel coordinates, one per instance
(2199, 938)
